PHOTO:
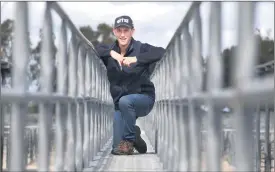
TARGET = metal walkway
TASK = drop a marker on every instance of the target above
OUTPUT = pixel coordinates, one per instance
(188, 129)
(137, 162)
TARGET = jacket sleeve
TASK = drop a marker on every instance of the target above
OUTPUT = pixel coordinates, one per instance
(150, 54)
(103, 51)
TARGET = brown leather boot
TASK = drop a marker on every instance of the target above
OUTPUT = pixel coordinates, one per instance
(125, 147)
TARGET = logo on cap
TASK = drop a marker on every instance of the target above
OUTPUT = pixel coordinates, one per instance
(122, 20)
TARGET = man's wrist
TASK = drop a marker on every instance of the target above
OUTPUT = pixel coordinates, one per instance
(111, 53)
(114, 54)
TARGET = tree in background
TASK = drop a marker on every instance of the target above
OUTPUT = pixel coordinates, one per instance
(33, 72)
(6, 52)
(34, 64)
(266, 47)
(103, 34)
(90, 34)
(265, 54)
(6, 40)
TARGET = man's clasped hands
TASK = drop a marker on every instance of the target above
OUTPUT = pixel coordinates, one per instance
(127, 61)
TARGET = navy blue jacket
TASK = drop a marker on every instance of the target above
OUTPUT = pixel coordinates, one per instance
(136, 78)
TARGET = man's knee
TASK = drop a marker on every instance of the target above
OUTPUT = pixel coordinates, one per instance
(124, 102)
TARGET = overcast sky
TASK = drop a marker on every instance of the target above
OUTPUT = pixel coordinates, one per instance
(155, 22)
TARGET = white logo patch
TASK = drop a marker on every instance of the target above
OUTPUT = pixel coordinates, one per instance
(122, 20)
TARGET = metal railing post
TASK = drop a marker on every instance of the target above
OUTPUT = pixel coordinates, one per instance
(80, 108)
(46, 108)
(19, 109)
(214, 84)
(87, 113)
(62, 77)
(1, 112)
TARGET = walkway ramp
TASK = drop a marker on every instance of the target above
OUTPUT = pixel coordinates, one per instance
(137, 162)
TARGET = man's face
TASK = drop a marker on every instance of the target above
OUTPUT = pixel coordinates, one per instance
(123, 35)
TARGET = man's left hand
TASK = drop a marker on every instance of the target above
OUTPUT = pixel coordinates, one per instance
(129, 60)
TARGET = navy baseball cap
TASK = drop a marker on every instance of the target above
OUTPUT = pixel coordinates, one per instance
(124, 21)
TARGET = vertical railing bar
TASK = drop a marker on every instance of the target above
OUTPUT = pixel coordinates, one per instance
(86, 147)
(102, 114)
(25, 146)
(99, 86)
(80, 109)
(19, 110)
(174, 133)
(185, 140)
(165, 111)
(171, 64)
(8, 152)
(106, 101)
(45, 114)
(157, 124)
(162, 146)
(93, 77)
(32, 145)
(215, 61)
(176, 88)
(177, 66)
(170, 152)
(258, 139)
(161, 115)
(245, 61)
(196, 60)
(195, 86)
(93, 110)
(195, 83)
(2, 123)
(72, 105)
(96, 134)
(100, 106)
(186, 45)
(156, 111)
(90, 92)
(194, 120)
(92, 131)
(173, 123)
(166, 131)
(1, 110)
(98, 116)
(267, 141)
(61, 84)
(157, 114)
(214, 82)
(105, 106)
(243, 71)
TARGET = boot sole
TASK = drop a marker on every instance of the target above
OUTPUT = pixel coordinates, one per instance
(121, 153)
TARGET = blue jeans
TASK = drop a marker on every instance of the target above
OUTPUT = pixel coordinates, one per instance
(130, 107)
